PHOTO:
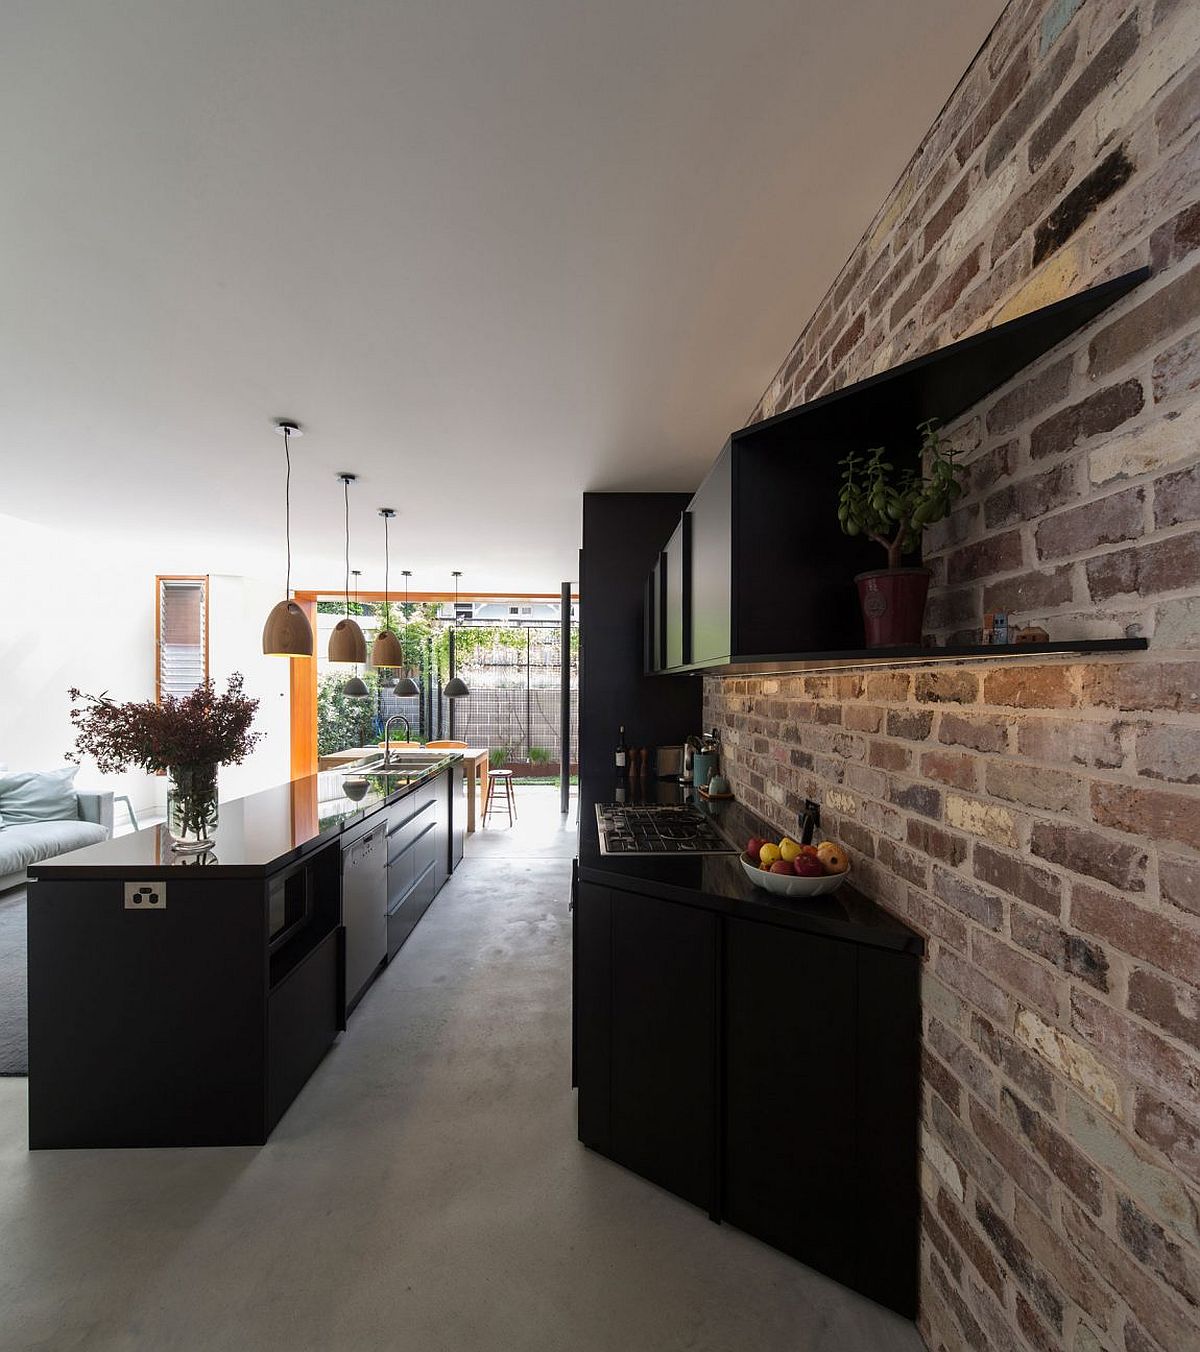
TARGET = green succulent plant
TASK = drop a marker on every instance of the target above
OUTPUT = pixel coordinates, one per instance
(892, 507)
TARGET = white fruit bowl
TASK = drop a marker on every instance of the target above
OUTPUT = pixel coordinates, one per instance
(780, 885)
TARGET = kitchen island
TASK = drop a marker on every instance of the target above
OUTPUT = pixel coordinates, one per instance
(755, 1055)
(185, 999)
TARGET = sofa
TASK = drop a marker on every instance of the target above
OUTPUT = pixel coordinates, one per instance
(28, 842)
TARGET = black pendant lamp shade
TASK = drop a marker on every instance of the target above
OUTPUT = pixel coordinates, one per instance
(405, 685)
(287, 632)
(347, 643)
(455, 687)
(386, 650)
(356, 687)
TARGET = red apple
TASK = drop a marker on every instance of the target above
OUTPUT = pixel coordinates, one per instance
(783, 866)
(807, 866)
(756, 844)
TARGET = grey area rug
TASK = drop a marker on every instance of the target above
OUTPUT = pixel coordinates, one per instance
(14, 1012)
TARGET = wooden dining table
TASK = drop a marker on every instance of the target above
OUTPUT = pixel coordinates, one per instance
(475, 766)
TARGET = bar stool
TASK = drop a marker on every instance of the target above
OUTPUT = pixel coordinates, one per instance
(510, 802)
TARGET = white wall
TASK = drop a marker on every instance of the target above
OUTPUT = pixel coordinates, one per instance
(99, 597)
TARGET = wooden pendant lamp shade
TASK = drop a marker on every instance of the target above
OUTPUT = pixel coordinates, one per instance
(347, 643)
(387, 650)
(287, 632)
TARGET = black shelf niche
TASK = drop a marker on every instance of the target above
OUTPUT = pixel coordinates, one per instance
(768, 575)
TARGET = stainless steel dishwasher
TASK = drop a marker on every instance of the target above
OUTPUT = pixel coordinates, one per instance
(364, 907)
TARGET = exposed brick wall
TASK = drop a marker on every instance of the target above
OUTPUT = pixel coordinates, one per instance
(1039, 823)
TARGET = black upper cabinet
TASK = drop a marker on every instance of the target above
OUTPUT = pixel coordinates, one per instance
(759, 566)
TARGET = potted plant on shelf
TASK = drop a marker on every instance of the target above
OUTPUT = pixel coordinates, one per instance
(187, 737)
(893, 507)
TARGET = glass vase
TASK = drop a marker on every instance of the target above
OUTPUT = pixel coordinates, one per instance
(192, 807)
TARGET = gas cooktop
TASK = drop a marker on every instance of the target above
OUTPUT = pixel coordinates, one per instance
(658, 829)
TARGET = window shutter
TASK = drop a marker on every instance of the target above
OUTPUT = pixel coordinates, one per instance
(182, 634)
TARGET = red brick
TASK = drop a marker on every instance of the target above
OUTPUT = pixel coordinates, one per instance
(1169, 753)
(969, 982)
(1136, 1051)
(949, 290)
(1177, 369)
(1104, 521)
(1070, 953)
(946, 687)
(1143, 934)
(1034, 785)
(1158, 1311)
(979, 733)
(945, 608)
(850, 335)
(1017, 1162)
(1031, 498)
(1019, 1262)
(863, 717)
(1179, 882)
(1167, 686)
(933, 841)
(1068, 217)
(1098, 75)
(1145, 570)
(1032, 204)
(965, 898)
(970, 1242)
(1159, 1252)
(1173, 1008)
(1028, 1073)
(1176, 239)
(1031, 980)
(1147, 324)
(1002, 94)
(1100, 412)
(1167, 1129)
(932, 1230)
(1032, 396)
(1064, 1160)
(931, 918)
(939, 1079)
(996, 554)
(1075, 1278)
(1090, 854)
(1064, 742)
(1150, 813)
(1035, 886)
(1023, 111)
(920, 284)
(912, 868)
(1036, 1334)
(1177, 496)
(944, 216)
(890, 756)
(971, 1069)
(1179, 111)
(949, 768)
(1025, 687)
(890, 686)
(913, 724)
(1033, 591)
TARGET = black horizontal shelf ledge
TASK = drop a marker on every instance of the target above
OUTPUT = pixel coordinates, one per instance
(942, 384)
(774, 664)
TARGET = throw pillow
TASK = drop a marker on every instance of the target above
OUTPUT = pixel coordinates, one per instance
(38, 795)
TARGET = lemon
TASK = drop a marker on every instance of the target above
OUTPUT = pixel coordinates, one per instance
(768, 854)
(789, 849)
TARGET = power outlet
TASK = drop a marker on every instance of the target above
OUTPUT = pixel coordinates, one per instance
(146, 896)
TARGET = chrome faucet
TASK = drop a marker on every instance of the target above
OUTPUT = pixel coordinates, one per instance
(387, 733)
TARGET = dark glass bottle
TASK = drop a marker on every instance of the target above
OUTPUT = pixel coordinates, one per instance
(622, 754)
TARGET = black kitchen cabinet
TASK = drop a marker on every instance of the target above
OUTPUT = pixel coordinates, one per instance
(677, 604)
(711, 520)
(763, 1072)
(789, 1112)
(647, 1086)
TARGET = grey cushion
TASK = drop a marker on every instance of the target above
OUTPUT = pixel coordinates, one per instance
(28, 796)
(29, 842)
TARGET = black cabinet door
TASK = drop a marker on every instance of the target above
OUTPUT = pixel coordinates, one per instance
(663, 1069)
(591, 1009)
(711, 513)
(678, 617)
(789, 1116)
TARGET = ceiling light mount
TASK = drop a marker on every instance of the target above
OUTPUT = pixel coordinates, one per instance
(287, 632)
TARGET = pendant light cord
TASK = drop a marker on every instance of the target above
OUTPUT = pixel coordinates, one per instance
(287, 508)
(346, 486)
(387, 609)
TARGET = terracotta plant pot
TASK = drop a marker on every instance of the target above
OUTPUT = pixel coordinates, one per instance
(893, 605)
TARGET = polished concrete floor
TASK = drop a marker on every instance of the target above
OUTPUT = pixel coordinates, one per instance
(425, 1193)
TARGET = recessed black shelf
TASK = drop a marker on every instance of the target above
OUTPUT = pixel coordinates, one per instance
(778, 664)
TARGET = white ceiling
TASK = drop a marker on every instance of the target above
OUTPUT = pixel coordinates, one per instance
(491, 253)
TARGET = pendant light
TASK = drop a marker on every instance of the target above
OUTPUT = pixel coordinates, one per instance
(405, 685)
(456, 687)
(346, 643)
(386, 650)
(356, 687)
(287, 632)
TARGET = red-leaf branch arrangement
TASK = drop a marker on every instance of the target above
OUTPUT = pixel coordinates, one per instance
(202, 728)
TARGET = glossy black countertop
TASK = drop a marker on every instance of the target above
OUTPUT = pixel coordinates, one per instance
(255, 835)
(719, 883)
